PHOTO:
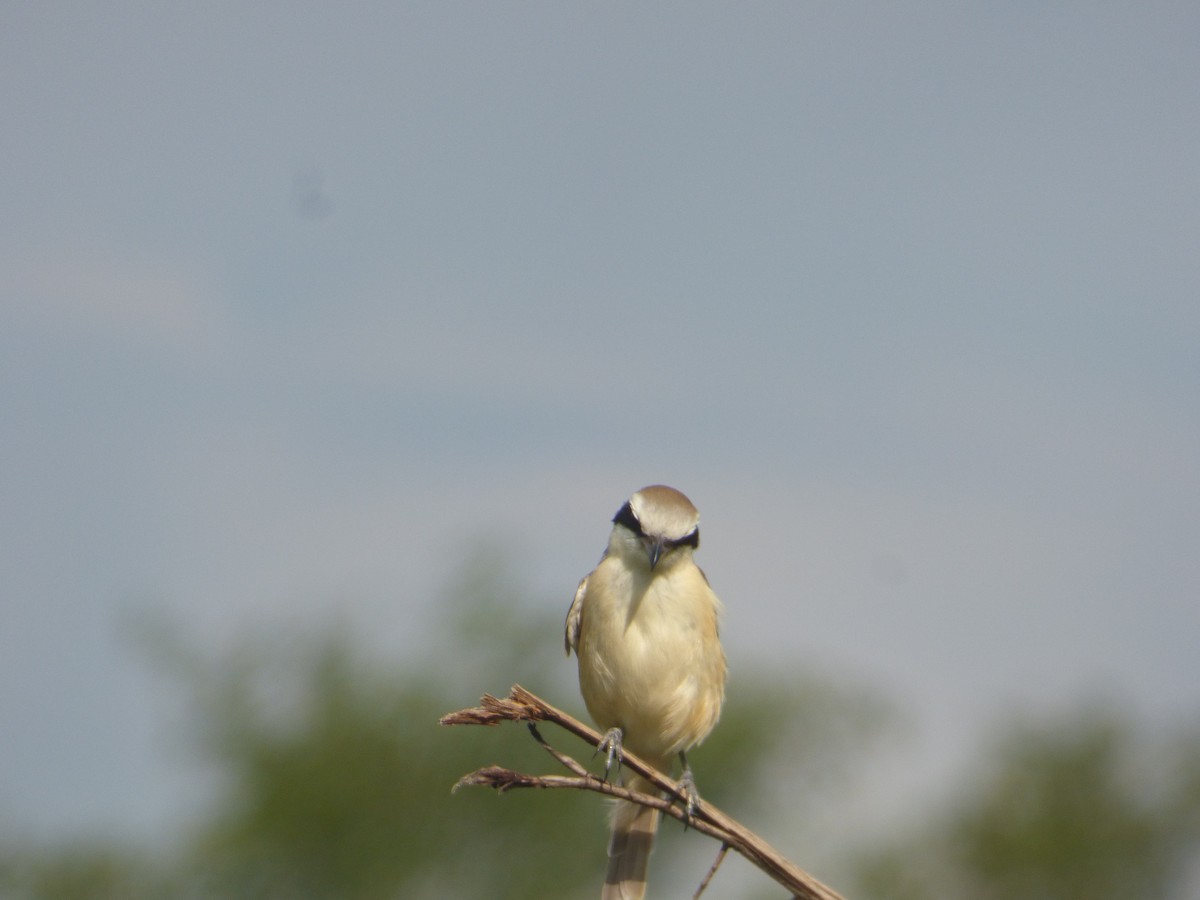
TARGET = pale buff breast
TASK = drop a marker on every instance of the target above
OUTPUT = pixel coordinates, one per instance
(655, 669)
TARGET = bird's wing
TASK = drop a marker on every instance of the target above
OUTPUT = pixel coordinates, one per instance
(575, 618)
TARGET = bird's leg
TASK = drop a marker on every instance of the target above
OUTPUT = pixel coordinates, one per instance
(687, 785)
(611, 747)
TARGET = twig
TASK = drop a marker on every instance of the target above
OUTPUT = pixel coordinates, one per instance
(567, 761)
(522, 706)
(712, 871)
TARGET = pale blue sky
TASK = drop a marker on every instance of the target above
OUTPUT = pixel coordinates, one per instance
(294, 299)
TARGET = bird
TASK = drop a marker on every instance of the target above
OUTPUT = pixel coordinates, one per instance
(652, 672)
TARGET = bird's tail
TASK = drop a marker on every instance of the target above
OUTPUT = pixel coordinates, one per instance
(629, 844)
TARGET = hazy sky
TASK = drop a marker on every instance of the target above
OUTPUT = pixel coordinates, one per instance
(298, 300)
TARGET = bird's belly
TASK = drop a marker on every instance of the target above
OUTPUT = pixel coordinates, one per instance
(658, 675)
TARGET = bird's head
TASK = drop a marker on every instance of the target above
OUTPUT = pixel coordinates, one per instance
(659, 521)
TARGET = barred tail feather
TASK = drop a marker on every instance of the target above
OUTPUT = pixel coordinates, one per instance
(629, 845)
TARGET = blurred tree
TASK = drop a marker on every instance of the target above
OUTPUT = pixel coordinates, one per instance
(335, 777)
(1076, 808)
(94, 870)
(335, 782)
(347, 794)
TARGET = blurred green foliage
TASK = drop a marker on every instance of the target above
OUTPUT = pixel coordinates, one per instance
(1077, 807)
(97, 870)
(334, 782)
(335, 778)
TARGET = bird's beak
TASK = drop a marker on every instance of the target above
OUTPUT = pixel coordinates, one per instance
(655, 549)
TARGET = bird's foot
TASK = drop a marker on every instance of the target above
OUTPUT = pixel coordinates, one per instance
(691, 796)
(610, 746)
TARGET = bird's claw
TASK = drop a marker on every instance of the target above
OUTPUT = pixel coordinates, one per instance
(691, 796)
(610, 746)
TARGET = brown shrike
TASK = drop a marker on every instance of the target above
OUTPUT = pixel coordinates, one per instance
(651, 667)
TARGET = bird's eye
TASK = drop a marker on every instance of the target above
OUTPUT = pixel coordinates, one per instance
(626, 517)
(689, 540)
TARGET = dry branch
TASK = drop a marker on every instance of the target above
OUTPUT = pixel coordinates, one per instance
(522, 706)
